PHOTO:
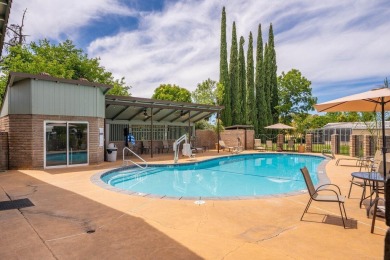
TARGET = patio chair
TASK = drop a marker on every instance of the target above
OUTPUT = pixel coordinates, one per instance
(239, 148)
(374, 164)
(377, 208)
(314, 194)
(268, 144)
(258, 146)
(145, 146)
(165, 146)
(223, 146)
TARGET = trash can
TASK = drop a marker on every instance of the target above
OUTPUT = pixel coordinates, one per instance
(111, 152)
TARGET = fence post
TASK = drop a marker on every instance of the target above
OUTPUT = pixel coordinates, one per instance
(309, 142)
(280, 141)
(366, 145)
(335, 143)
(353, 142)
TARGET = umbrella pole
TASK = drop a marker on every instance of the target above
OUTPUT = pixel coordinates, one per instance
(387, 184)
(384, 149)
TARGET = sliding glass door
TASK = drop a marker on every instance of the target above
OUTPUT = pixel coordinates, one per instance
(66, 143)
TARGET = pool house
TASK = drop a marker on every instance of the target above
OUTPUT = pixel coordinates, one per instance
(52, 122)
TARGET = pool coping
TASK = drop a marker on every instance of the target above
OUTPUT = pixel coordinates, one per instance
(321, 174)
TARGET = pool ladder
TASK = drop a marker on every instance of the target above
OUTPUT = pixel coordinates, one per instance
(127, 161)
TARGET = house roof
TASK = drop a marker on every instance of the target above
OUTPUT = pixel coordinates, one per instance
(357, 125)
(5, 8)
(17, 76)
(135, 108)
(239, 127)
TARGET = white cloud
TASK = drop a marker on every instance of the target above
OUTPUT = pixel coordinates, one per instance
(330, 42)
(56, 19)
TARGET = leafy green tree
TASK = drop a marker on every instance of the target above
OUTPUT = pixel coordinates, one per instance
(204, 125)
(273, 87)
(224, 82)
(172, 93)
(63, 61)
(295, 95)
(261, 103)
(241, 93)
(233, 74)
(206, 93)
(250, 85)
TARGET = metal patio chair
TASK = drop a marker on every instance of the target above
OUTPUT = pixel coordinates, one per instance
(314, 194)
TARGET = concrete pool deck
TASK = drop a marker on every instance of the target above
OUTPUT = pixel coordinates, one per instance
(74, 219)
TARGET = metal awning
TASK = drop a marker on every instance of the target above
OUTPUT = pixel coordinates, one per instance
(5, 7)
(121, 108)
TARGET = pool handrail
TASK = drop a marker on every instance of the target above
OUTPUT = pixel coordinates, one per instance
(128, 160)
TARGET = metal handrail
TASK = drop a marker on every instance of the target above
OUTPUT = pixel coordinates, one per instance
(176, 145)
(139, 157)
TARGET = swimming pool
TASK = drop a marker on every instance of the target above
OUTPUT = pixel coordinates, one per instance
(249, 175)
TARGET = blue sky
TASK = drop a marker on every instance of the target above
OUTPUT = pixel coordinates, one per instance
(342, 47)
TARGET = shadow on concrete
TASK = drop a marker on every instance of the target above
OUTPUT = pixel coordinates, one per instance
(330, 220)
(63, 224)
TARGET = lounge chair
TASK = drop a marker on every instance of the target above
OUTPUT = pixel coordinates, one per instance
(223, 146)
(314, 194)
(258, 146)
(268, 145)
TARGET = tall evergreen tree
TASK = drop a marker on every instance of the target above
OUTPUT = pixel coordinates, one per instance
(233, 74)
(242, 95)
(267, 84)
(250, 86)
(261, 101)
(226, 115)
(273, 79)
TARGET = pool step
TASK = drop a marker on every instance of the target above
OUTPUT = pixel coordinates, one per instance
(132, 174)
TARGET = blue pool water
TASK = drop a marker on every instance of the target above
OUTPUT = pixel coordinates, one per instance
(60, 158)
(241, 175)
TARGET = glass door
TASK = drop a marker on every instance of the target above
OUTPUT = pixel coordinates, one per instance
(66, 143)
(78, 143)
(56, 144)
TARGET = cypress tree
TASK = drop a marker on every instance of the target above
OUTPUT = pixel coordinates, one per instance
(250, 86)
(241, 111)
(226, 115)
(233, 75)
(267, 84)
(273, 81)
(261, 102)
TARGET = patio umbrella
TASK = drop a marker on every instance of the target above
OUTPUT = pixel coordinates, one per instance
(279, 126)
(375, 100)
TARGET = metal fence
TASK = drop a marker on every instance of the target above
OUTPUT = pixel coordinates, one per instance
(322, 139)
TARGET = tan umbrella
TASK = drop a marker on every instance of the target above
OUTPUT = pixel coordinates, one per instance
(279, 126)
(374, 100)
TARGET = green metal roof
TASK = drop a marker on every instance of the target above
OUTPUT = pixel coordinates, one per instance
(5, 8)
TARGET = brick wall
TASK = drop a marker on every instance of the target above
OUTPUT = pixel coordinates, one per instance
(3, 151)
(230, 137)
(206, 138)
(26, 139)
